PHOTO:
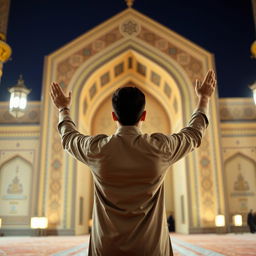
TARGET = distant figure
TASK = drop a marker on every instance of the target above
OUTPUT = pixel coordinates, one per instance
(171, 223)
(250, 221)
(128, 169)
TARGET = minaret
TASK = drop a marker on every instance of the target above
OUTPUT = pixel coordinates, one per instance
(5, 49)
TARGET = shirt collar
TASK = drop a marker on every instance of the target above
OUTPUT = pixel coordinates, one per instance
(127, 129)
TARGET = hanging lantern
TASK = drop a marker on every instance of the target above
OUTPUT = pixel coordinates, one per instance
(253, 88)
(18, 99)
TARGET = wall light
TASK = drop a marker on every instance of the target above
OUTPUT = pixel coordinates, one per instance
(253, 88)
(237, 220)
(220, 221)
(39, 223)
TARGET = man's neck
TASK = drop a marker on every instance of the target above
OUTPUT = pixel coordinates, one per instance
(138, 125)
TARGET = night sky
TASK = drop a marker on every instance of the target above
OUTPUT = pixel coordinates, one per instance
(223, 27)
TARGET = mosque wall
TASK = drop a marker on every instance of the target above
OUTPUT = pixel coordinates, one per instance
(38, 178)
(19, 160)
(238, 129)
(19, 146)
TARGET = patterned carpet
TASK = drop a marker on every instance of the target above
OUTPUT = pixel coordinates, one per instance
(183, 245)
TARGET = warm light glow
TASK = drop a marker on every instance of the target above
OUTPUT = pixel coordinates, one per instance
(23, 102)
(0, 222)
(39, 222)
(238, 220)
(18, 98)
(254, 96)
(16, 101)
(220, 221)
(90, 223)
(253, 88)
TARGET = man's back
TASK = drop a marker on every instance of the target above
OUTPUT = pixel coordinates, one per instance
(129, 215)
(128, 170)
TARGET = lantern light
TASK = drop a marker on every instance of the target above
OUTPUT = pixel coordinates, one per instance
(253, 88)
(18, 98)
(238, 220)
(220, 221)
(39, 223)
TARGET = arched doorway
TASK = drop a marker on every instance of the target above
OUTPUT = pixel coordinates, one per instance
(164, 108)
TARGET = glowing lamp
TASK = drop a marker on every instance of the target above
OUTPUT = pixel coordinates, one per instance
(39, 223)
(0, 222)
(253, 49)
(90, 223)
(220, 221)
(18, 98)
(238, 220)
(253, 88)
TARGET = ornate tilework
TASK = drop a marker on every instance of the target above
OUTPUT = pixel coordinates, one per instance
(104, 79)
(141, 69)
(155, 78)
(191, 65)
(129, 28)
(162, 44)
(167, 90)
(98, 45)
(230, 111)
(92, 90)
(76, 60)
(31, 116)
(130, 62)
(119, 69)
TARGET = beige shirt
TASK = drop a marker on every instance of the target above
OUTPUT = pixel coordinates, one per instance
(128, 170)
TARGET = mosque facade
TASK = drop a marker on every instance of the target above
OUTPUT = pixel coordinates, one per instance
(37, 178)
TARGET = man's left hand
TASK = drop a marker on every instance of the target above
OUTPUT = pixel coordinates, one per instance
(58, 97)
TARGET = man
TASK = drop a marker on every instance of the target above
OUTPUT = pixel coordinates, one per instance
(251, 221)
(171, 223)
(128, 170)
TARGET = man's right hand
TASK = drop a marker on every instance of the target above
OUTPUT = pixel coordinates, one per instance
(207, 87)
(205, 90)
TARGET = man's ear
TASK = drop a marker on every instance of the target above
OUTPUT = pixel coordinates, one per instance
(114, 116)
(143, 116)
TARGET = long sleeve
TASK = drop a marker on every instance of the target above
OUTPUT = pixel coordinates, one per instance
(84, 148)
(177, 145)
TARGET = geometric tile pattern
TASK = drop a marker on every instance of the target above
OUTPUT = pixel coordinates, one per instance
(167, 90)
(141, 69)
(119, 69)
(155, 78)
(104, 79)
(93, 90)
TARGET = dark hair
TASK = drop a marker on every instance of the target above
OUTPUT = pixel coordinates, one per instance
(128, 104)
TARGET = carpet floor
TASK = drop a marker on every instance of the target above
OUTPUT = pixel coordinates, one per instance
(183, 245)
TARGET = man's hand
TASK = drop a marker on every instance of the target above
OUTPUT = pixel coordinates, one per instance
(58, 97)
(206, 88)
